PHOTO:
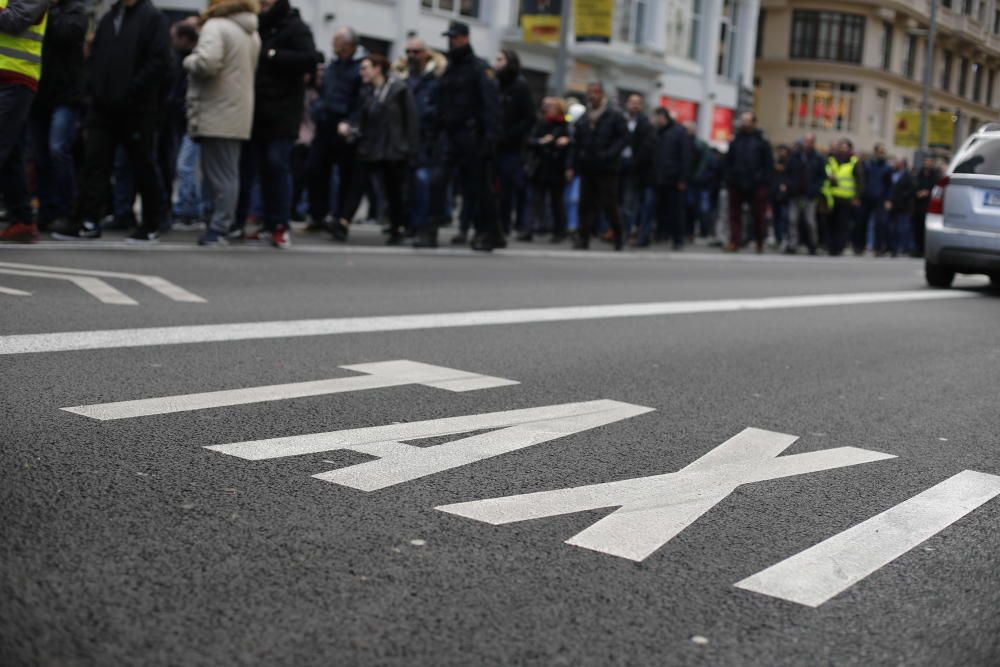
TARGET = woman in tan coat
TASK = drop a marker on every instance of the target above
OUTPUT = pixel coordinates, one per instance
(220, 102)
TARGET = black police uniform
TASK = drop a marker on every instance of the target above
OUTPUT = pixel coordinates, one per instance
(469, 117)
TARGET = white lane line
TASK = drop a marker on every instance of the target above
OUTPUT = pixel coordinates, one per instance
(10, 291)
(206, 333)
(96, 287)
(817, 574)
(164, 287)
(377, 376)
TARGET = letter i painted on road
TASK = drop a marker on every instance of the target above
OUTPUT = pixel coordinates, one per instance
(398, 462)
(378, 375)
(653, 510)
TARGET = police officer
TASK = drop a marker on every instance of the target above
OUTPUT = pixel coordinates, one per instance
(469, 121)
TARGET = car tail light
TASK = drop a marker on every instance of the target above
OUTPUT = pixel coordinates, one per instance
(936, 204)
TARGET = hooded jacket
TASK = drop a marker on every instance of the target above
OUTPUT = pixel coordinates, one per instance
(62, 58)
(673, 158)
(340, 89)
(127, 69)
(221, 68)
(287, 54)
(749, 162)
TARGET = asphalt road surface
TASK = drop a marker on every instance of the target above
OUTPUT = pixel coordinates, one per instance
(211, 529)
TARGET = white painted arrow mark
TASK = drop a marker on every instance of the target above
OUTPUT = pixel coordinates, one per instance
(155, 283)
(10, 291)
(96, 287)
(399, 462)
(653, 510)
(817, 574)
(377, 376)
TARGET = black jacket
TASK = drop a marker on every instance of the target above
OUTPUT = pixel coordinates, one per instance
(807, 173)
(749, 162)
(902, 194)
(387, 123)
(673, 161)
(547, 163)
(340, 90)
(598, 147)
(426, 89)
(642, 141)
(62, 58)
(924, 180)
(176, 101)
(127, 71)
(469, 96)
(517, 112)
(781, 182)
(287, 55)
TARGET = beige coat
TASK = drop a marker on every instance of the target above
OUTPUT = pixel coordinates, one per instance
(221, 72)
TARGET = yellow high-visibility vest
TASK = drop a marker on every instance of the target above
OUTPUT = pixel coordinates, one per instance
(22, 54)
(842, 183)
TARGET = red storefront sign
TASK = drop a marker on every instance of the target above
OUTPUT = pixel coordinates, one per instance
(722, 124)
(682, 111)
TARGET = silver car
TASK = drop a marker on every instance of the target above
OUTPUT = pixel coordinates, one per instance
(963, 216)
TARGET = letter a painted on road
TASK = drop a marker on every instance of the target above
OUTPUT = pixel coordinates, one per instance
(398, 462)
(653, 510)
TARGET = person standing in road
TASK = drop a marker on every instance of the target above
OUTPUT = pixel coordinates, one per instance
(387, 135)
(128, 69)
(22, 30)
(56, 111)
(221, 103)
(188, 210)
(672, 165)
(696, 198)
(638, 199)
(469, 121)
(806, 175)
(548, 159)
(517, 118)
(600, 136)
(926, 178)
(845, 179)
(748, 168)
(339, 97)
(900, 210)
(287, 55)
(781, 189)
(878, 191)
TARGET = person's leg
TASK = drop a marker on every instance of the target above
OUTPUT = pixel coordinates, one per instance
(919, 222)
(98, 161)
(506, 165)
(811, 228)
(220, 163)
(882, 244)
(587, 208)
(420, 199)
(276, 182)
(676, 221)
(395, 179)
(647, 214)
(188, 203)
(609, 206)
(123, 187)
(15, 105)
(38, 127)
(139, 139)
(556, 192)
(249, 174)
(736, 199)
(14, 185)
(62, 167)
(345, 157)
(319, 167)
(758, 211)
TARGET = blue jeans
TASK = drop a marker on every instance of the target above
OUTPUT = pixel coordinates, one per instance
(420, 197)
(780, 211)
(268, 163)
(53, 135)
(189, 197)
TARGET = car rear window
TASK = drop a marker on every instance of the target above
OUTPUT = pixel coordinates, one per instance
(982, 157)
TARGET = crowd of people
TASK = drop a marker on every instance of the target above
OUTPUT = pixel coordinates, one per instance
(235, 116)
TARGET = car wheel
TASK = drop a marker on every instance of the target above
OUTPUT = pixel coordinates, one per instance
(938, 276)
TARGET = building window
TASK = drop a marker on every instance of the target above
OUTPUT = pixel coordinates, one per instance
(683, 26)
(827, 36)
(887, 46)
(821, 105)
(633, 16)
(996, 22)
(728, 29)
(877, 120)
(977, 82)
(990, 84)
(910, 64)
(467, 8)
(963, 76)
(981, 11)
(759, 48)
(946, 74)
(967, 7)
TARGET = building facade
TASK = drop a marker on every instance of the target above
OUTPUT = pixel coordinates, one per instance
(691, 55)
(846, 68)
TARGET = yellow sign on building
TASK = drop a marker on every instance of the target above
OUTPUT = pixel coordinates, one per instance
(594, 20)
(940, 129)
(541, 20)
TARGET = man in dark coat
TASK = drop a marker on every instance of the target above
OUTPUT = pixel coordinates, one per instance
(924, 181)
(56, 110)
(637, 177)
(748, 167)
(339, 97)
(470, 124)
(600, 136)
(806, 175)
(900, 209)
(517, 117)
(287, 55)
(128, 68)
(672, 166)
(878, 190)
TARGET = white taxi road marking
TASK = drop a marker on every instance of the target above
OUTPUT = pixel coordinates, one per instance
(819, 573)
(398, 462)
(95, 287)
(155, 283)
(653, 510)
(205, 333)
(10, 291)
(377, 376)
